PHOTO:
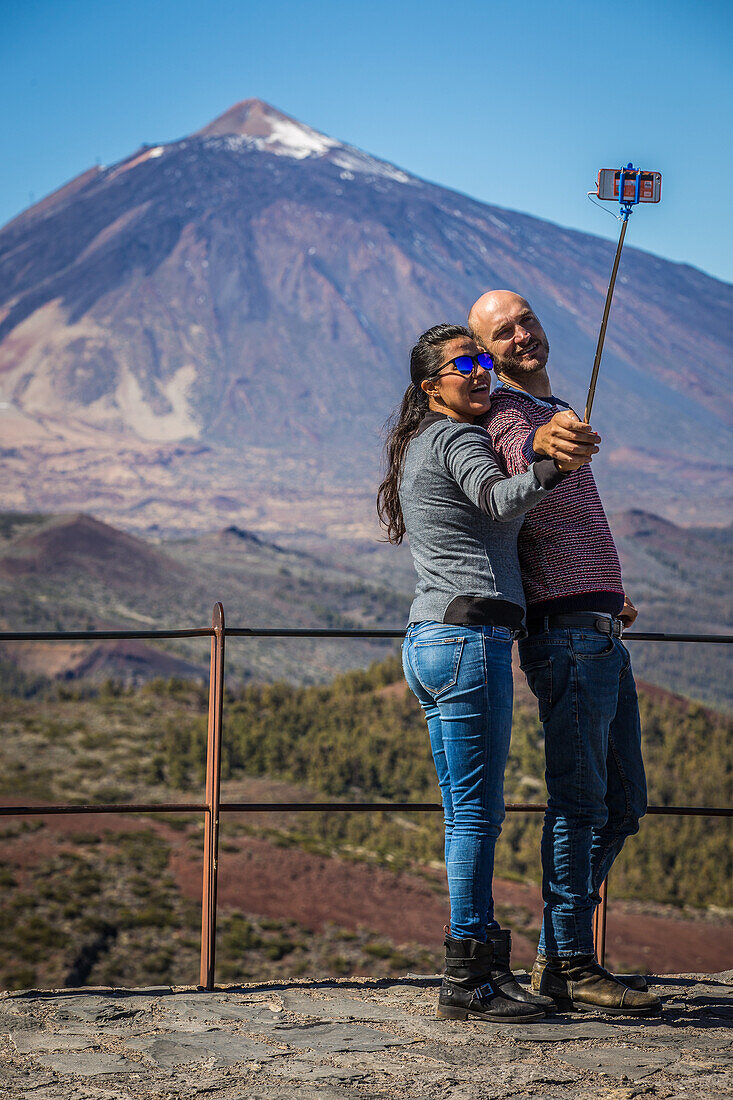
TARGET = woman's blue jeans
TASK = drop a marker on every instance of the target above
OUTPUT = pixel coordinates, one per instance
(462, 677)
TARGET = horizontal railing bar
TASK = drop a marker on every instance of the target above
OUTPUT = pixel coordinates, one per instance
(107, 808)
(307, 632)
(99, 635)
(285, 632)
(316, 807)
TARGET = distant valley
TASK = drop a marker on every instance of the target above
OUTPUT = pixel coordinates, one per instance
(75, 572)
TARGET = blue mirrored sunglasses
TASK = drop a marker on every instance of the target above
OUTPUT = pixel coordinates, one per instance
(465, 364)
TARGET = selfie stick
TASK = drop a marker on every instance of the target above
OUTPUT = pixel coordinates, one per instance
(626, 201)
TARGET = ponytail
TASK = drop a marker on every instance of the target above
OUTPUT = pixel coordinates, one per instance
(425, 362)
(400, 429)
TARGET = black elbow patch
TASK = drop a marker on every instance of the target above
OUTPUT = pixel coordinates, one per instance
(484, 495)
(547, 473)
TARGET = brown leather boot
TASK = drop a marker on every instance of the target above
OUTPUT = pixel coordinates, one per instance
(580, 982)
(633, 981)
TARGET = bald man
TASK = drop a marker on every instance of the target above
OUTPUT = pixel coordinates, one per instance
(574, 660)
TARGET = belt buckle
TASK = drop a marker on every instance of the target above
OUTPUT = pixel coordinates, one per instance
(609, 626)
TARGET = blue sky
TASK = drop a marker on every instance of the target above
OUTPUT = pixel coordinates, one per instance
(515, 104)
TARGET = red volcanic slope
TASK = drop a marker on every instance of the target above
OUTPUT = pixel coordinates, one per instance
(265, 880)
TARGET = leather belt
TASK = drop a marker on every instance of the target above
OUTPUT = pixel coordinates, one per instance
(604, 624)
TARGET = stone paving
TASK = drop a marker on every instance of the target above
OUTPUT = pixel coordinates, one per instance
(354, 1038)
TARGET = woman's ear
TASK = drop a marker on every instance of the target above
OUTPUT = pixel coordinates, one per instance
(430, 386)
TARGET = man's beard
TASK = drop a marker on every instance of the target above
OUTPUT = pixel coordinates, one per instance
(516, 367)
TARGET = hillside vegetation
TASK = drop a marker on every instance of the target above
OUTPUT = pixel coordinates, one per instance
(363, 737)
(109, 902)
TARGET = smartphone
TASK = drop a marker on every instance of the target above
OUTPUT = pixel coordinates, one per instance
(650, 185)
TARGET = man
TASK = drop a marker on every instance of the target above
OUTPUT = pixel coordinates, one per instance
(574, 661)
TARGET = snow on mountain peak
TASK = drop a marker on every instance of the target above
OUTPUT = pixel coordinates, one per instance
(254, 118)
(293, 139)
(256, 123)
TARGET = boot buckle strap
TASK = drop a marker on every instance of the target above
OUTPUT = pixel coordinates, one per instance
(485, 990)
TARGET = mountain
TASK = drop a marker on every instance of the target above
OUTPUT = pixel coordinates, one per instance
(68, 545)
(213, 330)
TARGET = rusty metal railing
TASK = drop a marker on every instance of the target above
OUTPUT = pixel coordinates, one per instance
(212, 807)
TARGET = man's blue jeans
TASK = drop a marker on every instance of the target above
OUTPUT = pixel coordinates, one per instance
(595, 772)
(462, 677)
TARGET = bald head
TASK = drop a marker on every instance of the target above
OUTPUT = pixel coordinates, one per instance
(492, 305)
(505, 324)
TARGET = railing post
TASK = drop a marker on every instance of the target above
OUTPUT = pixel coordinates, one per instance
(213, 798)
(599, 924)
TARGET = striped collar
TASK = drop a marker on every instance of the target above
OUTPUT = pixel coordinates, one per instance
(544, 403)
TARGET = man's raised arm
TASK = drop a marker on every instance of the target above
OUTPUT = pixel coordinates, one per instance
(518, 444)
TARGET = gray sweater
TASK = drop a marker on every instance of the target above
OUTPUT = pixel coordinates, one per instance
(462, 517)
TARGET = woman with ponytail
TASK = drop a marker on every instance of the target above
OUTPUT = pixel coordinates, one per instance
(445, 490)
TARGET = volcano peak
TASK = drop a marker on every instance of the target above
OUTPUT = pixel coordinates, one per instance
(275, 131)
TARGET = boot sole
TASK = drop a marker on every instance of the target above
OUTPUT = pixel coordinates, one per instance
(564, 1005)
(448, 1013)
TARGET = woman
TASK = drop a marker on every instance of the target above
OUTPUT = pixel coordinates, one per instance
(444, 489)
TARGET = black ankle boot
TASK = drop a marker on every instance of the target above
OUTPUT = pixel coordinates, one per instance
(501, 974)
(468, 989)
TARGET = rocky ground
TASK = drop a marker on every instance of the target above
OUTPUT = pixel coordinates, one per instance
(358, 1037)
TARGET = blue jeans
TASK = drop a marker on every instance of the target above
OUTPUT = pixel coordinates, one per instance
(462, 677)
(595, 773)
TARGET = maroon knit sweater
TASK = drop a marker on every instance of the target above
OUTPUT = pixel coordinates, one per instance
(566, 551)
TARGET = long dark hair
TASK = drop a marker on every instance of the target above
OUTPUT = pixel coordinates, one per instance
(425, 362)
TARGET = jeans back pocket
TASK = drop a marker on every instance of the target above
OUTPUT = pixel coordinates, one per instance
(436, 663)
